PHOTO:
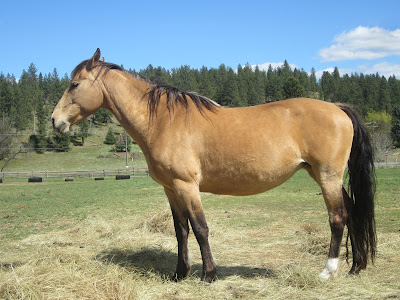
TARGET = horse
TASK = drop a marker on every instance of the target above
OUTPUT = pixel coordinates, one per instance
(192, 145)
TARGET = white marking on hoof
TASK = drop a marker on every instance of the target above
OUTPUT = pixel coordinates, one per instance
(330, 268)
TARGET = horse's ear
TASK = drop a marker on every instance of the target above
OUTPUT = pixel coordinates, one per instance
(102, 59)
(92, 63)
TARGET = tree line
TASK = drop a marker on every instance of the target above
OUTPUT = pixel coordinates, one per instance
(248, 86)
(26, 103)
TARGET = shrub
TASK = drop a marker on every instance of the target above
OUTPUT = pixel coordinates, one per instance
(110, 137)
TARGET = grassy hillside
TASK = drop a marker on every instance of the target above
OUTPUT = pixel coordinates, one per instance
(94, 155)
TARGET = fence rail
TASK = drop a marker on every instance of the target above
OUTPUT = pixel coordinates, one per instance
(387, 164)
(112, 172)
(74, 174)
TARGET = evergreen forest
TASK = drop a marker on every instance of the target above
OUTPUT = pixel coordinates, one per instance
(26, 103)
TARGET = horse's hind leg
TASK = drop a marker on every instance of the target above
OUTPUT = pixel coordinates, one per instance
(182, 232)
(337, 220)
(331, 187)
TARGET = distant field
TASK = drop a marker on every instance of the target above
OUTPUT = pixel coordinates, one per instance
(94, 155)
(113, 239)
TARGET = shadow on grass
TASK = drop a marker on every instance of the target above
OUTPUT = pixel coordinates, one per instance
(10, 266)
(162, 263)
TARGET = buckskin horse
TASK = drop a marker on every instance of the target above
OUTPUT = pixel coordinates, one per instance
(193, 145)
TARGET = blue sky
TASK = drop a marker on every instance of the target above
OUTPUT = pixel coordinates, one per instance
(356, 36)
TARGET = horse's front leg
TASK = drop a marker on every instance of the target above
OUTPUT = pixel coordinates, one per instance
(188, 195)
(182, 232)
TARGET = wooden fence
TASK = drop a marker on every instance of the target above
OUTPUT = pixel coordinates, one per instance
(111, 172)
(74, 174)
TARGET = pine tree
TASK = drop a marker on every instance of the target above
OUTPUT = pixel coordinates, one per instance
(384, 95)
(121, 143)
(229, 92)
(110, 137)
(82, 133)
(7, 99)
(395, 130)
(102, 116)
(335, 85)
(285, 71)
(206, 87)
(259, 80)
(185, 79)
(59, 142)
(292, 88)
(371, 90)
(242, 86)
(220, 79)
(273, 89)
(314, 88)
(394, 86)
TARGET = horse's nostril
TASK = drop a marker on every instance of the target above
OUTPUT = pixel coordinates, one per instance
(53, 122)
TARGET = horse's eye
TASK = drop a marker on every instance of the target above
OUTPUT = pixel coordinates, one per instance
(74, 84)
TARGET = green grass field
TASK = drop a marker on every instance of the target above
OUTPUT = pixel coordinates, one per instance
(94, 155)
(113, 239)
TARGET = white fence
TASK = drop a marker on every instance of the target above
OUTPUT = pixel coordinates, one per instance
(74, 174)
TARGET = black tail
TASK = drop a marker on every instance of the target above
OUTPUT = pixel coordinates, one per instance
(361, 189)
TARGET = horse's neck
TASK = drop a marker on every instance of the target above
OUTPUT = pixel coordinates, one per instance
(126, 99)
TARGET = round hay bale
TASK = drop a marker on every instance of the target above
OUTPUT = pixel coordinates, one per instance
(99, 178)
(69, 179)
(35, 179)
(118, 177)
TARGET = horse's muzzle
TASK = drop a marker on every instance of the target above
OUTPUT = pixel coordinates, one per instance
(60, 126)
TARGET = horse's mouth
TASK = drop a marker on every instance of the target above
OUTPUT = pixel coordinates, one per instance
(60, 126)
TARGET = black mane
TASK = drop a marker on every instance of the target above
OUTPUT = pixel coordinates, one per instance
(174, 95)
(177, 97)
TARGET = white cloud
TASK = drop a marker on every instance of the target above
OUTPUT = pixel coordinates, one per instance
(318, 74)
(384, 69)
(363, 43)
(274, 65)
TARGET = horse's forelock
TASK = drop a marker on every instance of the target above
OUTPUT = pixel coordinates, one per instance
(103, 65)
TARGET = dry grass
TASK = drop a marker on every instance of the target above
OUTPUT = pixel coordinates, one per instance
(132, 259)
(268, 251)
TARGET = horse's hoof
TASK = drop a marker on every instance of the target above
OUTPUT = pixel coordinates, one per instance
(355, 269)
(209, 278)
(178, 277)
(325, 275)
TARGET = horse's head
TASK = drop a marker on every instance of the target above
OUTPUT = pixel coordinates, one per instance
(82, 98)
